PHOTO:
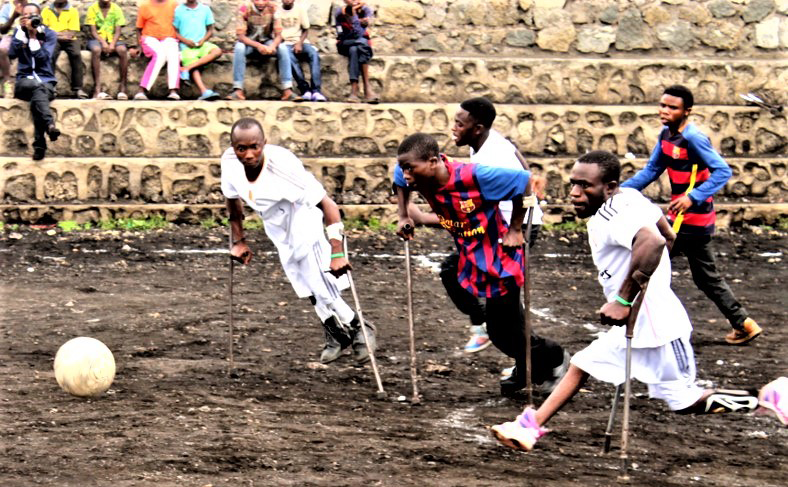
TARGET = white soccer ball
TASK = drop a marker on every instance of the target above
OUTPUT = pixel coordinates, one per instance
(84, 367)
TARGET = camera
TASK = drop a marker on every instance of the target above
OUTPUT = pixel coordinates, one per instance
(36, 21)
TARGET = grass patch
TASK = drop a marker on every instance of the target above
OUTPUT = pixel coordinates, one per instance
(565, 227)
(373, 224)
(151, 223)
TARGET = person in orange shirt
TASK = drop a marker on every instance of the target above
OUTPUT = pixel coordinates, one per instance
(156, 36)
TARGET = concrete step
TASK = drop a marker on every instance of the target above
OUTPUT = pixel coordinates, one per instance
(447, 79)
(364, 180)
(185, 129)
(727, 213)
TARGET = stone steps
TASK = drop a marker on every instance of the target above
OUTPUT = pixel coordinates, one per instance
(503, 79)
(362, 180)
(166, 129)
(727, 213)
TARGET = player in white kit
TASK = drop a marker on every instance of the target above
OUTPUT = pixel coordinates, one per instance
(293, 206)
(627, 233)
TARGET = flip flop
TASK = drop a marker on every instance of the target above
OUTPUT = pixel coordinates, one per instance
(103, 96)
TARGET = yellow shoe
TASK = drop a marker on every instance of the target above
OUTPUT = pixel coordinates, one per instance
(750, 330)
(8, 90)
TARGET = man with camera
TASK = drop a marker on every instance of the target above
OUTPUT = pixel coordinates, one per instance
(33, 45)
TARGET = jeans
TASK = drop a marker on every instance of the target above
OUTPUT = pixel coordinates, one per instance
(39, 95)
(310, 52)
(699, 254)
(241, 52)
(358, 52)
(504, 318)
(71, 48)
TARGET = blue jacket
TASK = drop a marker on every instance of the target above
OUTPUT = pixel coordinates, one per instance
(38, 63)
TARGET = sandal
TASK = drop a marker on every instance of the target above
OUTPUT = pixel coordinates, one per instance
(103, 96)
(122, 96)
(174, 96)
(236, 96)
(354, 99)
(140, 96)
(373, 101)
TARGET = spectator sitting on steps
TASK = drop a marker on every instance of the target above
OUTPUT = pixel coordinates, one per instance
(64, 20)
(352, 23)
(194, 26)
(105, 19)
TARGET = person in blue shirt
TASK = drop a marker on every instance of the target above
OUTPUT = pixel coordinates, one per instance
(33, 47)
(194, 26)
(696, 173)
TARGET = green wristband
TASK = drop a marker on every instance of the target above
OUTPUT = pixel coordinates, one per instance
(623, 301)
(336, 256)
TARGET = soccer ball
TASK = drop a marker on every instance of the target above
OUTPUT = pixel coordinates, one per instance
(84, 367)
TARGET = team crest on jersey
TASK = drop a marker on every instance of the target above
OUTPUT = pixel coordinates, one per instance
(467, 206)
(676, 152)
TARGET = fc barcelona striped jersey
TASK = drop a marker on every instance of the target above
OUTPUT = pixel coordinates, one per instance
(467, 206)
(678, 153)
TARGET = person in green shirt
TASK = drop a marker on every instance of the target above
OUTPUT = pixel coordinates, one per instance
(105, 19)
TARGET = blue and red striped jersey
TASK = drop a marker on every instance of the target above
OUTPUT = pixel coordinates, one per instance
(467, 207)
(678, 153)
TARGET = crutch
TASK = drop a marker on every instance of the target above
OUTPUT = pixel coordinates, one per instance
(611, 421)
(642, 280)
(413, 378)
(529, 201)
(381, 392)
(230, 295)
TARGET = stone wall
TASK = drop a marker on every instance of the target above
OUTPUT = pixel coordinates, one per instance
(356, 181)
(746, 28)
(446, 79)
(162, 129)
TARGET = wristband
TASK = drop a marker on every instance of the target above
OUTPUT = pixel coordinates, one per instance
(337, 255)
(623, 301)
(335, 230)
(529, 201)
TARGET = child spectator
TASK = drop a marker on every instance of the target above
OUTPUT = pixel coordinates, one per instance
(105, 20)
(194, 26)
(352, 23)
(156, 36)
(64, 20)
(293, 44)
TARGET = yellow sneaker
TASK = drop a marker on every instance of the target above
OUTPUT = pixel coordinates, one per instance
(750, 330)
(8, 90)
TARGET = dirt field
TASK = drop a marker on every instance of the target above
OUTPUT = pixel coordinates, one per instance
(174, 417)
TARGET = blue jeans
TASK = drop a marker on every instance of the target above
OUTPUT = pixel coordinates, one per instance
(358, 52)
(242, 51)
(310, 52)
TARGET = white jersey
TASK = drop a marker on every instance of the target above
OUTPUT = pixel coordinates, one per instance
(499, 152)
(285, 195)
(611, 230)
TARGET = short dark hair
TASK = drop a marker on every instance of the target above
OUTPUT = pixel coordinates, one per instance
(682, 92)
(37, 6)
(481, 109)
(424, 145)
(245, 123)
(609, 166)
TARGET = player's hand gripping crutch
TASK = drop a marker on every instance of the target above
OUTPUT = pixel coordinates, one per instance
(408, 230)
(642, 280)
(374, 363)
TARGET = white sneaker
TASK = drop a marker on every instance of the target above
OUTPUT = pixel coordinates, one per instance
(520, 434)
(479, 339)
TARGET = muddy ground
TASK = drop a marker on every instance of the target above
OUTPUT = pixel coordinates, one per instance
(174, 417)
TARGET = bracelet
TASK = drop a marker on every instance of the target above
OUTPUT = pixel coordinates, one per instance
(623, 301)
(337, 255)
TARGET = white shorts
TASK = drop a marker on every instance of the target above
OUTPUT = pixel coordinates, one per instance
(309, 276)
(669, 370)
